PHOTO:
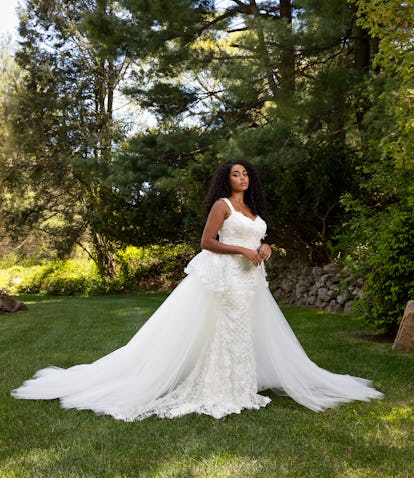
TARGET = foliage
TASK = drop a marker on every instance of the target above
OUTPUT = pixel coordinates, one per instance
(218, 91)
(391, 283)
(152, 268)
(380, 220)
(60, 117)
(281, 91)
(156, 174)
(39, 439)
(391, 23)
(73, 276)
(318, 95)
(390, 277)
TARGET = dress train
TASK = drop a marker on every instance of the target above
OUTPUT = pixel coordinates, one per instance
(151, 374)
(216, 341)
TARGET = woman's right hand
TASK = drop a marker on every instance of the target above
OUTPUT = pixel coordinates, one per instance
(253, 256)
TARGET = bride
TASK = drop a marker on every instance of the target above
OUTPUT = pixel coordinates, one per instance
(216, 341)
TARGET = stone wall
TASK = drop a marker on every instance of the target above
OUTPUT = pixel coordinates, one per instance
(327, 287)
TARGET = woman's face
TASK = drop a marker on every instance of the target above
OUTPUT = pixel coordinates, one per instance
(239, 178)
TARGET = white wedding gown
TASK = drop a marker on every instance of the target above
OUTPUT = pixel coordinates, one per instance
(217, 340)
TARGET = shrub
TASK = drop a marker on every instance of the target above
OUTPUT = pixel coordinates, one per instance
(12, 279)
(154, 268)
(389, 282)
(58, 277)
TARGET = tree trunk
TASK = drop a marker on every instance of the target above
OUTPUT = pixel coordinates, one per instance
(104, 257)
(287, 60)
(362, 59)
(262, 49)
(365, 48)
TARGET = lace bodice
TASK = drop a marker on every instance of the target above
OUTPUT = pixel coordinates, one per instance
(219, 271)
(241, 230)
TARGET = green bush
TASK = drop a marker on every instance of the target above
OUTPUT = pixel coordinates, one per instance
(153, 268)
(57, 278)
(389, 283)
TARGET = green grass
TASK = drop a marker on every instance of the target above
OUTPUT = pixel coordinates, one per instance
(39, 439)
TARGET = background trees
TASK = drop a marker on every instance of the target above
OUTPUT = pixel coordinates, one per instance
(382, 208)
(315, 94)
(276, 82)
(61, 117)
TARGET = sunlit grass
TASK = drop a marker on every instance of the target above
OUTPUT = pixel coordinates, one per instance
(39, 439)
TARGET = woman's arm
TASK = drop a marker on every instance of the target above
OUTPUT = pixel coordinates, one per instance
(219, 212)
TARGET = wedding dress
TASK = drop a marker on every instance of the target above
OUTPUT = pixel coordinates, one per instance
(217, 340)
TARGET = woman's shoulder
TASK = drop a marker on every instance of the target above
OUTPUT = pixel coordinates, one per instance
(221, 206)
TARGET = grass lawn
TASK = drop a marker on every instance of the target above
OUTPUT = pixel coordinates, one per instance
(39, 439)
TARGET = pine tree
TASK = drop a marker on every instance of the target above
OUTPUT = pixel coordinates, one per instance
(64, 128)
(278, 83)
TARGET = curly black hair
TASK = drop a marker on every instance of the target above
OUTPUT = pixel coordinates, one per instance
(220, 187)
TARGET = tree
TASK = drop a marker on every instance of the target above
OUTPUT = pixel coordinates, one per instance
(289, 85)
(63, 125)
(278, 83)
(381, 210)
(10, 78)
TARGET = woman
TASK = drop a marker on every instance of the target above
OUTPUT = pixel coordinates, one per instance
(217, 340)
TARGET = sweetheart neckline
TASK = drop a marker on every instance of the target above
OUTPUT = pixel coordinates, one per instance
(244, 215)
(232, 209)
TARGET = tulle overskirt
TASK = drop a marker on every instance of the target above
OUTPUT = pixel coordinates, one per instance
(129, 382)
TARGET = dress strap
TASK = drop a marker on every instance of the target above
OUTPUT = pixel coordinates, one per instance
(229, 204)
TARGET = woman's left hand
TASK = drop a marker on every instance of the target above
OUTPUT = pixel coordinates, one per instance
(265, 252)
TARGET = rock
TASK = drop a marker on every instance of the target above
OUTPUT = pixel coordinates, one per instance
(332, 268)
(323, 294)
(348, 308)
(8, 304)
(300, 290)
(333, 306)
(285, 284)
(320, 304)
(316, 271)
(359, 293)
(405, 336)
(324, 278)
